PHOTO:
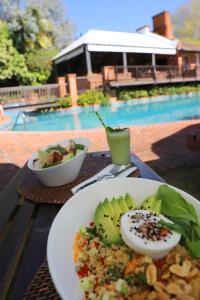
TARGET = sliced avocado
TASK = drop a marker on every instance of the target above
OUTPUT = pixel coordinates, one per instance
(108, 208)
(148, 202)
(117, 211)
(122, 204)
(152, 203)
(130, 202)
(69, 156)
(157, 207)
(105, 227)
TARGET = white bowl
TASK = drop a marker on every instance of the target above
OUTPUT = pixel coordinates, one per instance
(65, 172)
(78, 211)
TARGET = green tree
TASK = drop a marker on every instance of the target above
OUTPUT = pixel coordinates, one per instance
(36, 30)
(8, 9)
(12, 64)
(30, 31)
(32, 36)
(54, 11)
(186, 21)
(39, 64)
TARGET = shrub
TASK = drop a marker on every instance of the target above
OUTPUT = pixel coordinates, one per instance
(93, 97)
(141, 94)
(124, 95)
(153, 92)
(156, 91)
(65, 102)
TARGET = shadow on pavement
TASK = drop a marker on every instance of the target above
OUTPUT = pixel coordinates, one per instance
(178, 164)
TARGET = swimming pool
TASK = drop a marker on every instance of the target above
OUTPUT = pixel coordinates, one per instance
(133, 112)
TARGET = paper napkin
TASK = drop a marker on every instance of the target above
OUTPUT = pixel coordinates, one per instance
(106, 170)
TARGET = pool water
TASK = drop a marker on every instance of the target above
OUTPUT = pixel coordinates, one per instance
(134, 112)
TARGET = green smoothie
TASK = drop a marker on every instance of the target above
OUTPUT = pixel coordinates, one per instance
(119, 144)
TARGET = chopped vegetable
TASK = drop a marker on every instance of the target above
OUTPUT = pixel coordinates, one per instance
(113, 274)
(132, 265)
(55, 155)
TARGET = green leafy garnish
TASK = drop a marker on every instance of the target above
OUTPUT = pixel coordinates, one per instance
(174, 205)
(92, 232)
(184, 218)
(175, 227)
(114, 273)
(79, 147)
(193, 247)
(139, 278)
(107, 128)
(110, 129)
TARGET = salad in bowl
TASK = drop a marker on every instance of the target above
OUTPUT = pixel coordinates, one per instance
(57, 154)
(59, 163)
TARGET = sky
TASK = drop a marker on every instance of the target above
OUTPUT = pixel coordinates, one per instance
(116, 15)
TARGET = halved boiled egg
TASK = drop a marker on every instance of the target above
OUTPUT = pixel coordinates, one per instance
(141, 231)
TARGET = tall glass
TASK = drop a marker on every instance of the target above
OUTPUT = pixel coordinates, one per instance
(119, 144)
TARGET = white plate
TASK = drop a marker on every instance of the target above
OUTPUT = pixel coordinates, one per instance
(78, 211)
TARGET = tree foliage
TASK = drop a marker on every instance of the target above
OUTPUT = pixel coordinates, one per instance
(12, 64)
(8, 9)
(186, 21)
(54, 11)
(32, 31)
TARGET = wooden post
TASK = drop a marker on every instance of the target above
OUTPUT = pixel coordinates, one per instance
(72, 87)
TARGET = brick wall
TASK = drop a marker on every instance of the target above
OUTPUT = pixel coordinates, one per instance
(162, 24)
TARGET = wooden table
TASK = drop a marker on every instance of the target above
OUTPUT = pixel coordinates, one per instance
(24, 228)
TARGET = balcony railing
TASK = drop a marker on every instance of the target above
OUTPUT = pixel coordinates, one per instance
(156, 73)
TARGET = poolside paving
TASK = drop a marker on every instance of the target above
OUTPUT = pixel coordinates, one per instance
(152, 143)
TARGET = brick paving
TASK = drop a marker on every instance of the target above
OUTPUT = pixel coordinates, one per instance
(160, 145)
(4, 119)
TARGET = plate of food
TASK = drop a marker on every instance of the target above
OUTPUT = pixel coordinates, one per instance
(59, 163)
(126, 238)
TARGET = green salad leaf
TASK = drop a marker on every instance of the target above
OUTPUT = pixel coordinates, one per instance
(79, 146)
(184, 218)
(194, 248)
(176, 227)
(174, 205)
(197, 231)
